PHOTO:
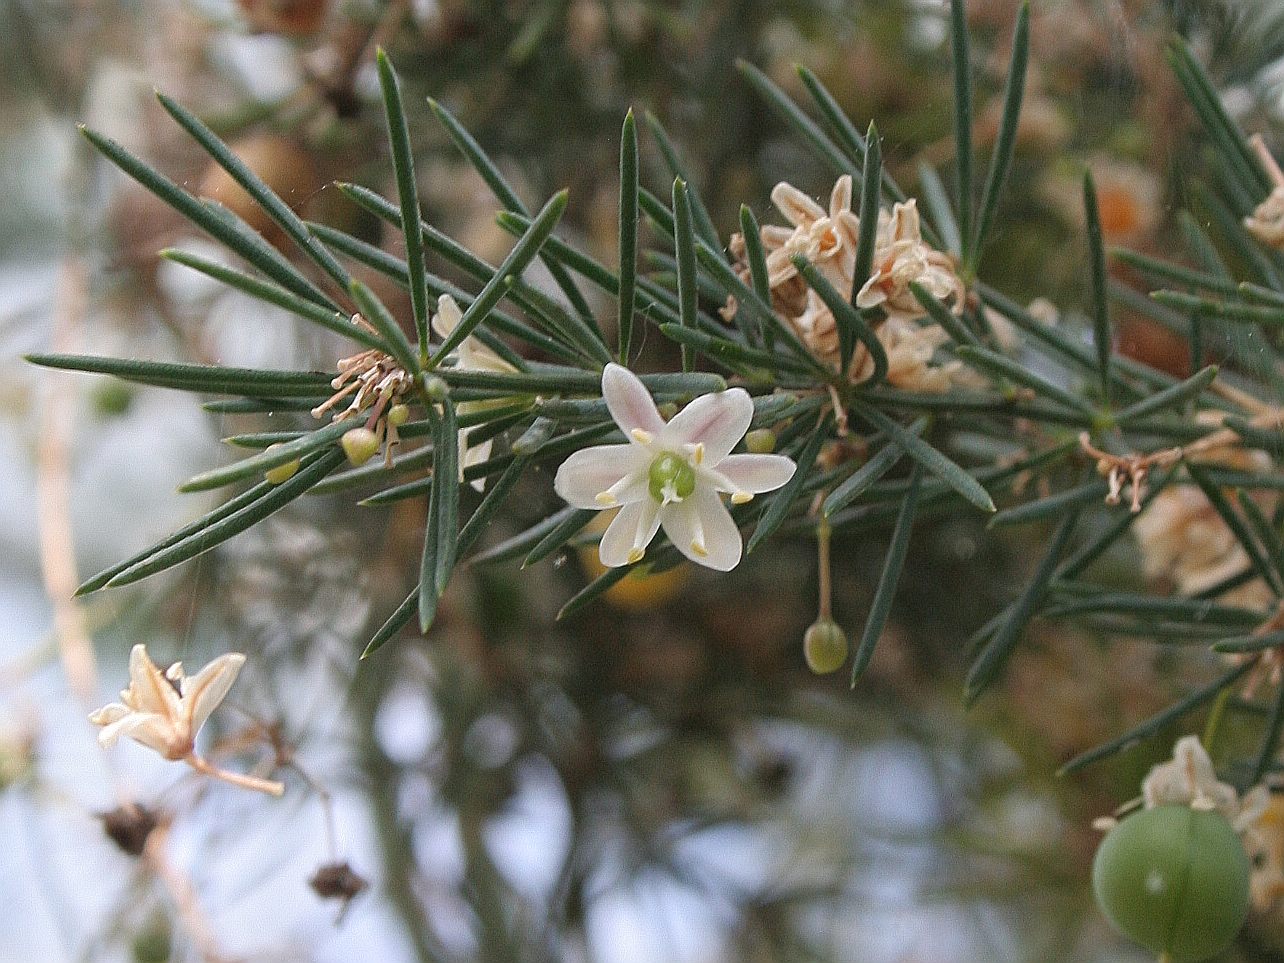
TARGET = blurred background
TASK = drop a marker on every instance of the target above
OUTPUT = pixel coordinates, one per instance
(658, 778)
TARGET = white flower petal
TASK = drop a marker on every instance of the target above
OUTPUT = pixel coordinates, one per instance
(149, 690)
(754, 474)
(204, 691)
(717, 421)
(148, 728)
(799, 209)
(473, 456)
(629, 533)
(700, 527)
(590, 471)
(630, 403)
(109, 714)
(447, 317)
(840, 199)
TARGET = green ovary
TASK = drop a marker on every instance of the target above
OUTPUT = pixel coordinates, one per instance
(670, 478)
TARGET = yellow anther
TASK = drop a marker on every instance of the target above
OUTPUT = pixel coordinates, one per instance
(697, 453)
(740, 498)
(641, 436)
(605, 499)
(699, 549)
(635, 555)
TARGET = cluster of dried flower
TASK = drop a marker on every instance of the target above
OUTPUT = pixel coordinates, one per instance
(828, 239)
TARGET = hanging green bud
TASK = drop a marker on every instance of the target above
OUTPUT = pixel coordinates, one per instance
(281, 473)
(760, 441)
(398, 415)
(360, 445)
(825, 647)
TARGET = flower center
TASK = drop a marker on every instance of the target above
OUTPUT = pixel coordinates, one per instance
(670, 479)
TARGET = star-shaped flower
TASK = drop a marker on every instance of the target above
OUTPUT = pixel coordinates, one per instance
(669, 475)
(471, 355)
(165, 710)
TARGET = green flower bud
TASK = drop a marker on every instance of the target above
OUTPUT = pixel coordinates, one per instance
(761, 441)
(825, 647)
(281, 473)
(360, 445)
(398, 415)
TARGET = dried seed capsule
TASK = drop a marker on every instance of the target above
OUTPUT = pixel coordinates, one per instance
(825, 647)
(360, 445)
(1175, 879)
(281, 473)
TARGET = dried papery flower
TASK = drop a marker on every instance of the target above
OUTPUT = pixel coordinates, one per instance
(827, 239)
(1267, 880)
(131, 825)
(374, 384)
(1266, 223)
(902, 257)
(165, 710)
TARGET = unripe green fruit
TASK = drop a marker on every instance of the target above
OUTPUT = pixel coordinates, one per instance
(761, 441)
(825, 647)
(360, 445)
(398, 415)
(281, 473)
(1174, 879)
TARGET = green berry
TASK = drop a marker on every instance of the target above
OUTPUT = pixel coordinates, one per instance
(761, 441)
(1174, 879)
(281, 473)
(825, 647)
(360, 445)
(398, 415)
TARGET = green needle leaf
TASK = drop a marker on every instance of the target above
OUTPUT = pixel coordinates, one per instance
(962, 122)
(273, 294)
(628, 233)
(374, 311)
(846, 318)
(216, 220)
(784, 499)
(246, 514)
(931, 459)
(881, 607)
(1100, 307)
(403, 167)
(684, 245)
(208, 379)
(523, 252)
(997, 651)
(257, 464)
(273, 206)
(1005, 143)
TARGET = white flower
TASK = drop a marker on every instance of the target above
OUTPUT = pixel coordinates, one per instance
(669, 474)
(471, 355)
(165, 710)
(901, 256)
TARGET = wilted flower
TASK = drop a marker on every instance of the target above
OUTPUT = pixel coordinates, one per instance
(130, 826)
(1266, 223)
(901, 256)
(669, 474)
(165, 710)
(471, 355)
(828, 240)
(1190, 780)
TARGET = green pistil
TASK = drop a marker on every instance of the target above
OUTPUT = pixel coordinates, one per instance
(671, 479)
